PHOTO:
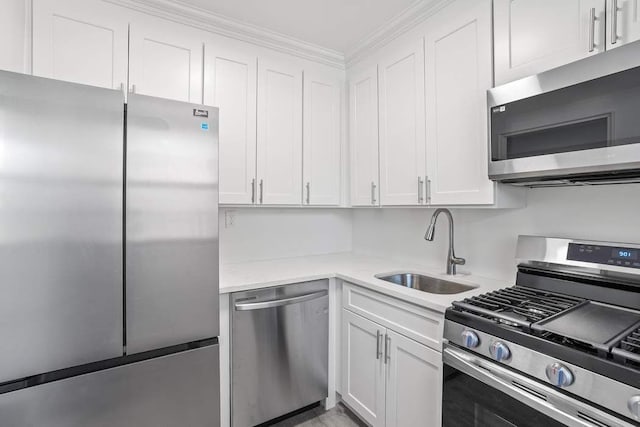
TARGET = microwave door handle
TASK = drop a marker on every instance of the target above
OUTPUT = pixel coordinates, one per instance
(247, 306)
(527, 391)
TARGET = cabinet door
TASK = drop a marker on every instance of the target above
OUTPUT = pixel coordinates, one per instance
(623, 22)
(536, 35)
(363, 368)
(279, 133)
(80, 41)
(230, 84)
(363, 137)
(458, 74)
(402, 132)
(321, 165)
(414, 383)
(166, 60)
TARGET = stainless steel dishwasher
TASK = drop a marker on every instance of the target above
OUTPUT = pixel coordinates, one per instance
(279, 351)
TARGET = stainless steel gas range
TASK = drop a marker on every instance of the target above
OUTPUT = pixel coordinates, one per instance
(561, 347)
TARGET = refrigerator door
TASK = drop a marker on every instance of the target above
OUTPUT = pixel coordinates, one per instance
(61, 179)
(180, 389)
(172, 223)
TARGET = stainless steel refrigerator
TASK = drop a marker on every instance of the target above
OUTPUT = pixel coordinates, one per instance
(108, 258)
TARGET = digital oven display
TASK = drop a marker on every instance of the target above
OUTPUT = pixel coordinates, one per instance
(601, 254)
(628, 254)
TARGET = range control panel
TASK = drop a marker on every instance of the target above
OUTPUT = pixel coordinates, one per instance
(600, 254)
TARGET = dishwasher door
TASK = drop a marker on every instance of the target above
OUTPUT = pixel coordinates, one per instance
(279, 351)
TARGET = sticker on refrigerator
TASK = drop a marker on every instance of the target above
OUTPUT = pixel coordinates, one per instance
(204, 126)
(200, 113)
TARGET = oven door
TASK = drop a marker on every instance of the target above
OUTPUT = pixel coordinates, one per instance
(480, 393)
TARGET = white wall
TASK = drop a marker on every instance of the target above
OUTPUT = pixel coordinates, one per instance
(271, 233)
(487, 238)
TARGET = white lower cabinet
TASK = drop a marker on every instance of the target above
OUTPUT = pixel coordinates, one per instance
(414, 383)
(363, 367)
(388, 379)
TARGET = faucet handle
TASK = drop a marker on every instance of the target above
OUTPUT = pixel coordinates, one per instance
(458, 261)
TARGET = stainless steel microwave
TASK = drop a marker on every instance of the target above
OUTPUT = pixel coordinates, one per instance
(576, 124)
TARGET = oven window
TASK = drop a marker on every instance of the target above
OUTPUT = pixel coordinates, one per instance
(468, 402)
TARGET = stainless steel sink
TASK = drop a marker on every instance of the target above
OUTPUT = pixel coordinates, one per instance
(425, 284)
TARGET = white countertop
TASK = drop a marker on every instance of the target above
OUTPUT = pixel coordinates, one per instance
(358, 269)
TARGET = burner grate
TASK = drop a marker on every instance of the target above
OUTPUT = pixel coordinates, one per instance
(518, 306)
(628, 349)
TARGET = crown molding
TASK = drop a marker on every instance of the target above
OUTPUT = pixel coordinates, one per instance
(178, 11)
(411, 17)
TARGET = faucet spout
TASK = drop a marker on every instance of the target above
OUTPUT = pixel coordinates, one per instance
(452, 260)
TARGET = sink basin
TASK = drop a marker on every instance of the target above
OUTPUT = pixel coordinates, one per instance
(425, 284)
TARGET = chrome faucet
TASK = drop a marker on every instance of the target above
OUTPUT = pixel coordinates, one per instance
(452, 260)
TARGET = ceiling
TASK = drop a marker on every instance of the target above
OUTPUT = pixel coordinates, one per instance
(333, 24)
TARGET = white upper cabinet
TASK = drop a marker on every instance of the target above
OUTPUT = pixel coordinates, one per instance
(363, 137)
(80, 41)
(165, 59)
(321, 138)
(402, 126)
(623, 22)
(230, 83)
(279, 161)
(15, 43)
(414, 378)
(532, 36)
(458, 74)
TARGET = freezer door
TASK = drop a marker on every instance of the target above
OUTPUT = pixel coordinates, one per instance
(61, 179)
(181, 389)
(172, 223)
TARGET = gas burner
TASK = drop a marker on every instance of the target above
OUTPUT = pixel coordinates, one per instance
(628, 349)
(511, 318)
(518, 306)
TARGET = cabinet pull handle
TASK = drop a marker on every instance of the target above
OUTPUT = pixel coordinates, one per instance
(614, 22)
(378, 345)
(261, 190)
(387, 346)
(308, 193)
(253, 191)
(373, 193)
(592, 29)
(428, 189)
(420, 197)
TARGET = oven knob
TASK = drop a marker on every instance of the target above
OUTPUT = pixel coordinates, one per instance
(470, 339)
(499, 351)
(559, 375)
(634, 406)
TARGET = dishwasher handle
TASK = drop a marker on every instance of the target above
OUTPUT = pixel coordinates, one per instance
(246, 306)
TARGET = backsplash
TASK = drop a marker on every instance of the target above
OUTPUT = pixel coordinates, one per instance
(270, 233)
(487, 238)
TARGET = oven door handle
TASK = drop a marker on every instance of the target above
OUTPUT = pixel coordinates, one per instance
(540, 397)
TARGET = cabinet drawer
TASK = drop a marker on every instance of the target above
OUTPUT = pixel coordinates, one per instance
(418, 323)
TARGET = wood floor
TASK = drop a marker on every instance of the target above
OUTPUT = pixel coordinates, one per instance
(318, 417)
